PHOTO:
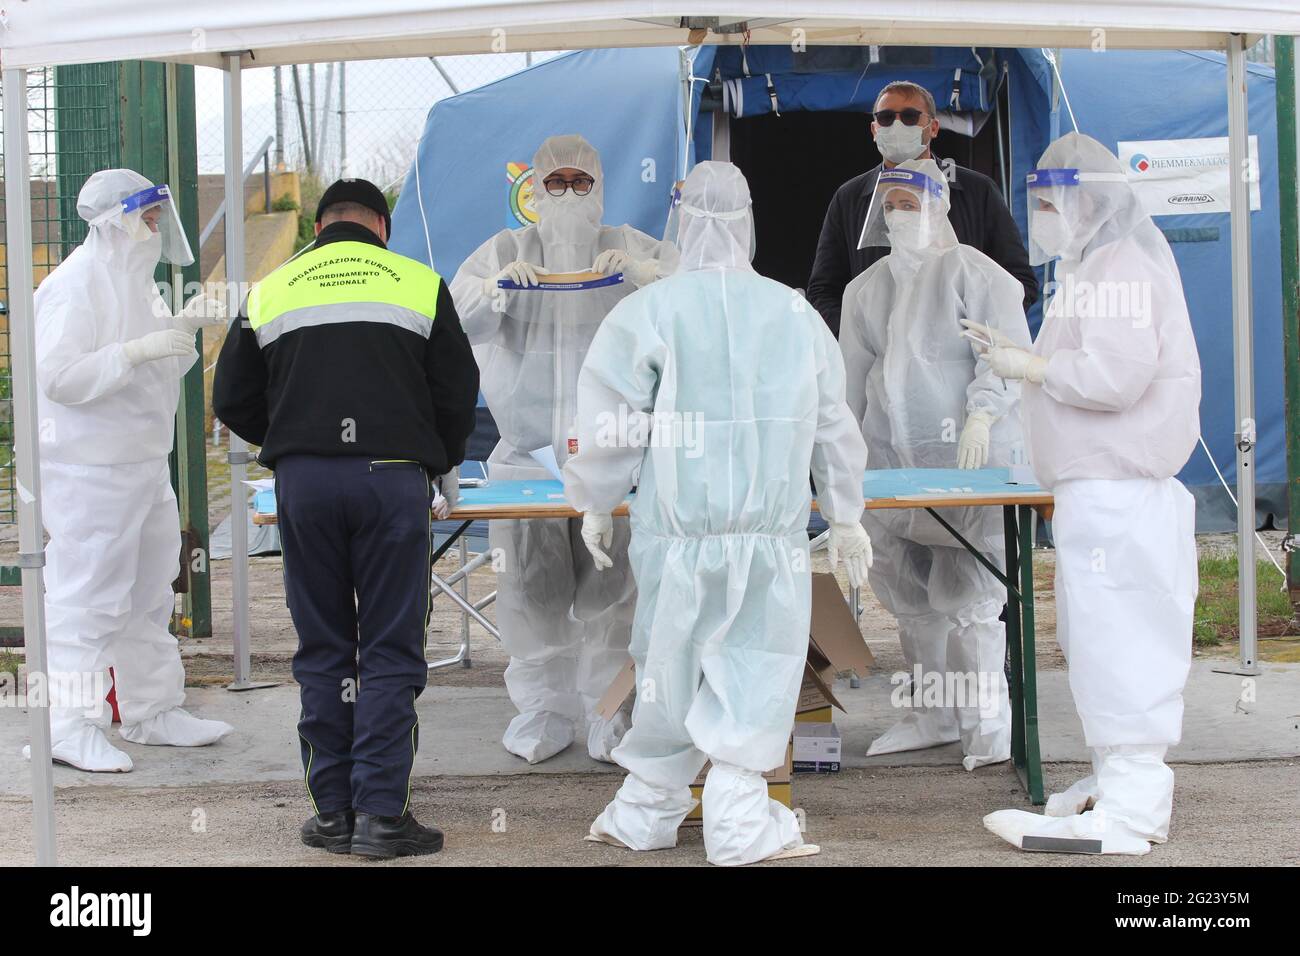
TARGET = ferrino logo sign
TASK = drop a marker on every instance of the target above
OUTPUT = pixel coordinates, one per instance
(1190, 199)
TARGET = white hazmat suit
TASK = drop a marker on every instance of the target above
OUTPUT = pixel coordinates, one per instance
(733, 390)
(109, 362)
(1112, 391)
(924, 399)
(565, 627)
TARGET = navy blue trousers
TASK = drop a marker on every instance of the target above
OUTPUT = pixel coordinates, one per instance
(356, 541)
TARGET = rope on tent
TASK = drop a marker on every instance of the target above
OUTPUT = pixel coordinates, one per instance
(1051, 58)
(419, 201)
(1222, 481)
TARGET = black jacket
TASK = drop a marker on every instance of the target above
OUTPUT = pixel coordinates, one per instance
(351, 388)
(978, 215)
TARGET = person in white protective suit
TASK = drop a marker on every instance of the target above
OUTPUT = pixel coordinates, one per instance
(734, 391)
(109, 361)
(1111, 397)
(565, 627)
(924, 399)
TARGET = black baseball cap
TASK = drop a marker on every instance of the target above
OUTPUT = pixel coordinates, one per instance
(361, 191)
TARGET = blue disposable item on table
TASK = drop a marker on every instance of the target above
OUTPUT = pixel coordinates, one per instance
(887, 483)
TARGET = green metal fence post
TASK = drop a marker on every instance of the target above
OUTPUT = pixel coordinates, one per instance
(1289, 203)
(157, 134)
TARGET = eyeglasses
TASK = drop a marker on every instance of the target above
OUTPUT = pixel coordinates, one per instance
(581, 185)
(909, 116)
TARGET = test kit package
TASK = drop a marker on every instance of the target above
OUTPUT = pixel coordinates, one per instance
(815, 748)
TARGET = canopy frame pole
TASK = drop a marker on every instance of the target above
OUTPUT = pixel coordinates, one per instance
(238, 456)
(1240, 180)
(27, 462)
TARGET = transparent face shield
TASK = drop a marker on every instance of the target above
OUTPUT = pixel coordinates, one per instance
(1060, 213)
(906, 211)
(148, 213)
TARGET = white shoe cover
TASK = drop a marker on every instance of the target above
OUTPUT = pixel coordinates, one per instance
(1014, 825)
(1081, 795)
(741, 823)
(604, 735)
(642, 816)
(594, 837)
(999, 752)
(87, 749)
(538, 736)
(917, 731)
(175, 728)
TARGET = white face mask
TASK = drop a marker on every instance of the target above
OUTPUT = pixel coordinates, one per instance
(899, 143)
(904, 229)
(1049, 232)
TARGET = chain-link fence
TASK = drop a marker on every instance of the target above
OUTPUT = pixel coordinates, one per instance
(323, 121)
(69, 116)
(327, 120)
(362, 118)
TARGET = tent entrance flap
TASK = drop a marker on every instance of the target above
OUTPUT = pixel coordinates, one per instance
(796, 161)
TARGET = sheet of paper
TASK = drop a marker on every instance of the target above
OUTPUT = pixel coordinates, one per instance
(261, 484)
(1022, 475)
(546, 458)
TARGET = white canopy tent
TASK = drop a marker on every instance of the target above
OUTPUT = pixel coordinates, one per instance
(233, 35)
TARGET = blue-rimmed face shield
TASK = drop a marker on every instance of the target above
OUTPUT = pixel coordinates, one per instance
(906, 211)
(1060, 211)
(152, 213)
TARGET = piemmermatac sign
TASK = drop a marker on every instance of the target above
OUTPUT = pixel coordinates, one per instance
(1180, 177)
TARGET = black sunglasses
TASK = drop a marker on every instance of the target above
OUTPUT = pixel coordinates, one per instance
(909, 116)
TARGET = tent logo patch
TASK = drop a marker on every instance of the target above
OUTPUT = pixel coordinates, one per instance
(1191, 199)
(520, 197)
(1140, 163)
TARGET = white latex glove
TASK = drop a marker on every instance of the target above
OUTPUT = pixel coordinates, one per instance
(973, 446)
(1016, 363)
(637, 271)
(850, 542)
(610, 261)
(1000, 340)
(169, 343)
(598, 534)
(518, 272)
(446, 494)
(201, 311)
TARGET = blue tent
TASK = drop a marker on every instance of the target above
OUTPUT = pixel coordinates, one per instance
(795, 123)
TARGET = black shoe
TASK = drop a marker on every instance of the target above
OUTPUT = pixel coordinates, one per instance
(382, 838)
(330, 831)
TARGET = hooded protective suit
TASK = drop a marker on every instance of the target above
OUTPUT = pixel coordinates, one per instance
(1111, 415)
(109, 360)
(922, 396)
(733, 391)
(565, 627)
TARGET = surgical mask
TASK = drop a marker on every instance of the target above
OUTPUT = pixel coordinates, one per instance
(904, 229)
(899, 143)
(568, 226)
(1050, 232)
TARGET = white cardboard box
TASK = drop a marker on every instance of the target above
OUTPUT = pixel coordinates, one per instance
(816, 748)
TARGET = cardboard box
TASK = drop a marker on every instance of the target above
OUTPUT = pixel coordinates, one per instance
(834, 644)
(815, 748)
(778, 789)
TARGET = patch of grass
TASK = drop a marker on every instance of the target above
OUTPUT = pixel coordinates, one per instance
(284, 204)
(10, 662)
(1216, 605)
